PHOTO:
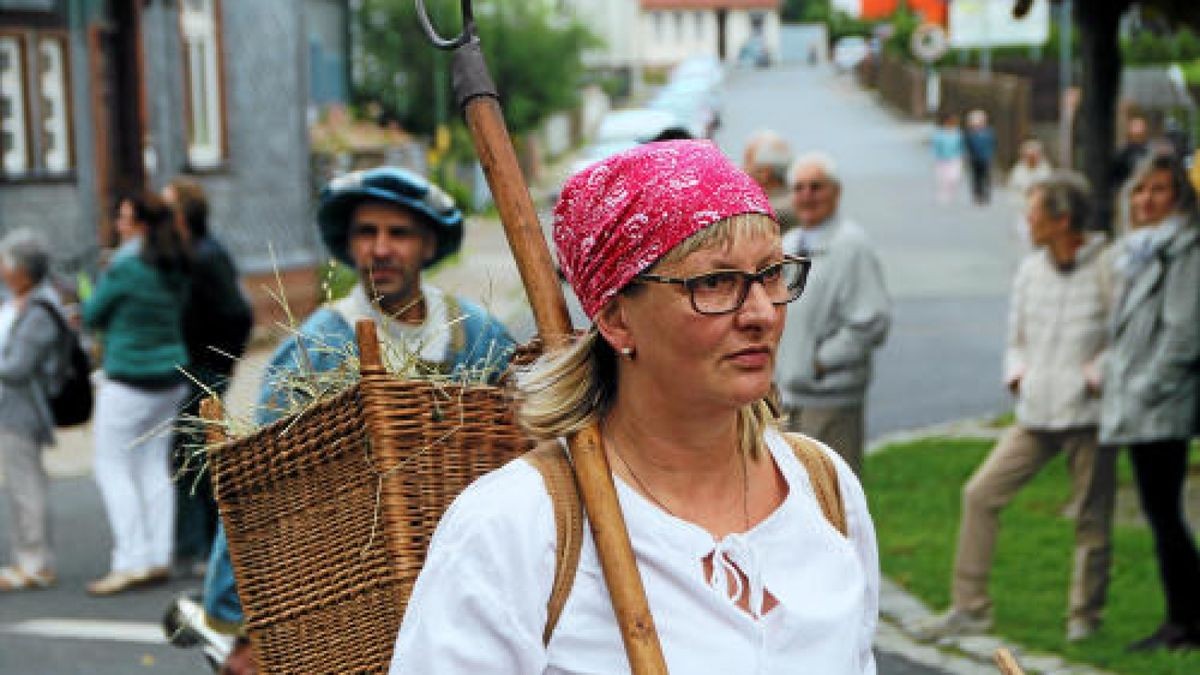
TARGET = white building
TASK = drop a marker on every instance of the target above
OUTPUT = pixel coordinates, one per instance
(641, 34)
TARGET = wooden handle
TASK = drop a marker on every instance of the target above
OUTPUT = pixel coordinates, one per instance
(370, 359)
(596, 488)
(1005, 661)
(521, 227)
(211, 412)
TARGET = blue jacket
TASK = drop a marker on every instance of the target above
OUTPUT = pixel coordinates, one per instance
(483, 343)
(981, 145)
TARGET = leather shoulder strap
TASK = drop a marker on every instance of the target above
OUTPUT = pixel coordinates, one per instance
(823, 475)
(550, 459)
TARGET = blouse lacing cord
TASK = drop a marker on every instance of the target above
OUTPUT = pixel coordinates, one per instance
(731, 555)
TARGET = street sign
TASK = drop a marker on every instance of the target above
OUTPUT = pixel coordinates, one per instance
(928, 42)
(990, 23)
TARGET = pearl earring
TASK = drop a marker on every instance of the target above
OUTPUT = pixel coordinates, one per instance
(627, 352)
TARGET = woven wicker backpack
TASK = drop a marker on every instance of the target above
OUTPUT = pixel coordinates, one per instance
(551, 460)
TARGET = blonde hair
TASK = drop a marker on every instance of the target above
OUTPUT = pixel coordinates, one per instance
(574, 386)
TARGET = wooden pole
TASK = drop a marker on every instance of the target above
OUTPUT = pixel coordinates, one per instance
(211, 411)
(1005, 661)
(596, 489)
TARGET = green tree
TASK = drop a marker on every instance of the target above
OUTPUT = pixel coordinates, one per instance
(534, 58)
(806, 11)
(1100, 56)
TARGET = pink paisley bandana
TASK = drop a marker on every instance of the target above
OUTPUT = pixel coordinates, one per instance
(617, 217)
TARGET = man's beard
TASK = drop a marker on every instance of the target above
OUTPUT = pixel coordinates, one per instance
(402, 291)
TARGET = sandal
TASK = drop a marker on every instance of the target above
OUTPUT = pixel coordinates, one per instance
(13, 579)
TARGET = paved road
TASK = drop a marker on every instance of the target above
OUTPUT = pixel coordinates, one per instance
(947, 269)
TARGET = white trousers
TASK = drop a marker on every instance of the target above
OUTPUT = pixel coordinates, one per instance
(133, 437)
(25, 487)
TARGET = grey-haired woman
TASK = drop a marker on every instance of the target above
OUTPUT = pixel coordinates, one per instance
(1151, 381)
(31, 354)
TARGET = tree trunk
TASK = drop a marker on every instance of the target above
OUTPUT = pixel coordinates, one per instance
(1100, 53)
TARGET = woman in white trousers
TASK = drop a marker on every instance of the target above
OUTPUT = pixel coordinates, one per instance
(138, 305)
(133, 436)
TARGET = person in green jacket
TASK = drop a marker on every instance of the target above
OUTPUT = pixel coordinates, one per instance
(138, 305)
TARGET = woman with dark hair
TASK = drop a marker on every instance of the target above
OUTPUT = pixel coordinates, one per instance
(1150, 387)
(216, 328)
(138, 305)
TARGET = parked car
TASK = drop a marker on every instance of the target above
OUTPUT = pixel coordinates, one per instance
(849, 51)
(695, 101)
(753, 53)
(707, 69)
(623, 129)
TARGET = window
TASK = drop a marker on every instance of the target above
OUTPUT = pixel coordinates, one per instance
(35, 116)
(13, 135)
(55, 146)
(202, 75)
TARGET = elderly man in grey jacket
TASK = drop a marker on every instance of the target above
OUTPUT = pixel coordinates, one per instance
(1057, 340)
(824, 362)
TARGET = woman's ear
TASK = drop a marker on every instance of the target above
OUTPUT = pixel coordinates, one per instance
(613, 325)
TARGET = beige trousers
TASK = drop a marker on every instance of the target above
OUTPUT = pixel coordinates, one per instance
(840, 428)
(1015, 460)
(25, 487)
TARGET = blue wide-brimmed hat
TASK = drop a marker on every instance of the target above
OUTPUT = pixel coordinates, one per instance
(390, 185)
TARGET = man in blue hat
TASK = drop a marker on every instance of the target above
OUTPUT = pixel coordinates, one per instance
(389, 224)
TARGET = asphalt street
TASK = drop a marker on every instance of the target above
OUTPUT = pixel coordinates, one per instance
(948, 270)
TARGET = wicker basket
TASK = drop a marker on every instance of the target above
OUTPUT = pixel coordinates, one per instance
(329, 514)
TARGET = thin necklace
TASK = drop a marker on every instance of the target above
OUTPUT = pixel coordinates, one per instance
(642, 486)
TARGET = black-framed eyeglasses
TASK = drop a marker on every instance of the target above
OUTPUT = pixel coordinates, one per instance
(724, 291)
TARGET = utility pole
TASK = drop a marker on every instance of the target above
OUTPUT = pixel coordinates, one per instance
(1065, 28)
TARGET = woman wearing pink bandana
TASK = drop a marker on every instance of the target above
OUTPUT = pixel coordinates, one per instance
(675, 256)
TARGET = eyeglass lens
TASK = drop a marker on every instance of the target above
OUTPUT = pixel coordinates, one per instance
(725, 291)
(811, 186)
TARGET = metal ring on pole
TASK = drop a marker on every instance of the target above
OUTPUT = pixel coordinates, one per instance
(468, 31)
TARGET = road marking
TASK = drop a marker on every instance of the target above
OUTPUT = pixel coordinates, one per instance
(86, 629)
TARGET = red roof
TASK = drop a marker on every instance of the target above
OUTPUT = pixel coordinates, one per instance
(710, 4)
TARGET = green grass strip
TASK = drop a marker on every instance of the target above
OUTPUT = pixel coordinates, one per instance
(915, 490)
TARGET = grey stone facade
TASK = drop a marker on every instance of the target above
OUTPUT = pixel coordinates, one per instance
(260, 195)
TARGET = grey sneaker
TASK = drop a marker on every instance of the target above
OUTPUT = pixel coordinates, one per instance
(1079, 630)
(954, 622)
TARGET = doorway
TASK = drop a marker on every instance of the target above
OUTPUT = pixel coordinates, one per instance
(118, 108)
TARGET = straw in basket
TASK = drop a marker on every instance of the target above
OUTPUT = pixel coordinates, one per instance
(329, 513)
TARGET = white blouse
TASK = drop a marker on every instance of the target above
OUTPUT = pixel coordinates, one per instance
(479, 605)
